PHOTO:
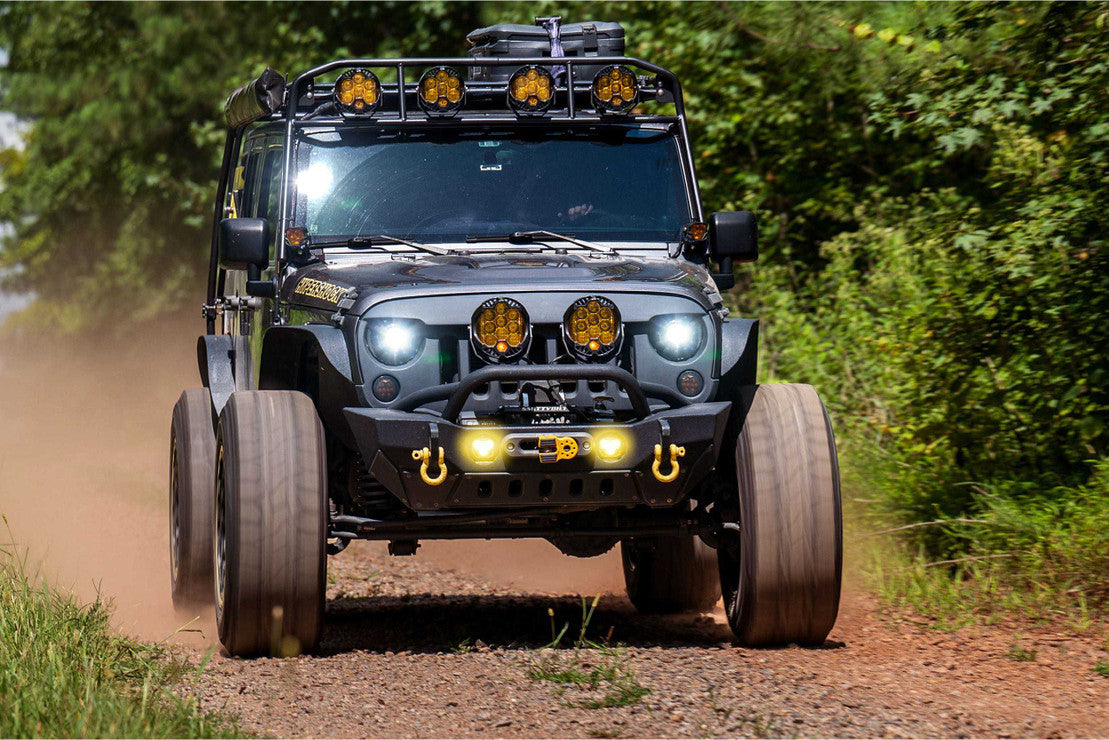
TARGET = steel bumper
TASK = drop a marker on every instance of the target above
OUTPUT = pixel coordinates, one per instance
(519, 474)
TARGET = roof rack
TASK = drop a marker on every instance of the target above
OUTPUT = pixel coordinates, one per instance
(306, 98)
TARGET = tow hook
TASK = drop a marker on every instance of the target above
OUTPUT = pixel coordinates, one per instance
(423, 456)
(675, 453)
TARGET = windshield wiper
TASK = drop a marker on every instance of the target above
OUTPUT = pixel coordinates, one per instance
(372, 242)
(527, 237)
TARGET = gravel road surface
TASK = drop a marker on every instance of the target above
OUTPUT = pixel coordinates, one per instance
(444, 643)
(437, 646)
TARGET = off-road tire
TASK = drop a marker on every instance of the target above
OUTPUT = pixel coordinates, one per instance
(192, 454)
(781, 576)
(271, 524)
(670, 575)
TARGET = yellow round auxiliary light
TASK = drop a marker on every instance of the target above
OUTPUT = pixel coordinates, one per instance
(592, 328)
(357, 92)
(615, 90)
(531, 89)
(500, 330)
(441, 91)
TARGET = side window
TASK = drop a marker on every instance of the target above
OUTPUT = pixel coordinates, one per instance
(248, 206)
(269, 196)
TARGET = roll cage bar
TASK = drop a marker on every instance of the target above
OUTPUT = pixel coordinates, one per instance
(305, 100)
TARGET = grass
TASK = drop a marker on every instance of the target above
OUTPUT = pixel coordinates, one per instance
(65, 673)
(1101, 669)
(1019, 654)
(1006, 563)
(597, 672)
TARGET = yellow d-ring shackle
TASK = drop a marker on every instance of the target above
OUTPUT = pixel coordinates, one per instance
(675, 453)
(424, 456)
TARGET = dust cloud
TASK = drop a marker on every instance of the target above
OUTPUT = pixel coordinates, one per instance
(84, 444)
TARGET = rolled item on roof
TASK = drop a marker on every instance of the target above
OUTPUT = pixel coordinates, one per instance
(255, 100)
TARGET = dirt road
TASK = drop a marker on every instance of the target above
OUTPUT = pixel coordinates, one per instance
(447, 643)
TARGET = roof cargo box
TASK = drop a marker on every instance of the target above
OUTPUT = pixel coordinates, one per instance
(518, 40)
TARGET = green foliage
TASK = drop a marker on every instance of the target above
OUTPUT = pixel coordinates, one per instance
(958, 333)
(65, 673)
(929, 178)
(112, 197)
(1019, 653)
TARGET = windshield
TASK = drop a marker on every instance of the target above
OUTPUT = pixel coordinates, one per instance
(617, 184)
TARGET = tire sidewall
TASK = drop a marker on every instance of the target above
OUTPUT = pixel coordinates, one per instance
(191, 453)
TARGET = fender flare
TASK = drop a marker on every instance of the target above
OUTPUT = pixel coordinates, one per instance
(313, 359)
(215, 355)
(739, 356)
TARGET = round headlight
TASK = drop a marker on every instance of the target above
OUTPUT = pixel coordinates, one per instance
(394, 341)
(592, 328)
(500, 330)
(677, 337)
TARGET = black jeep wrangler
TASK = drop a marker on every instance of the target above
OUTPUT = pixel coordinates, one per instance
(473, 298)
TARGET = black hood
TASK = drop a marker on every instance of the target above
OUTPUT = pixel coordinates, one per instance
(360, 283)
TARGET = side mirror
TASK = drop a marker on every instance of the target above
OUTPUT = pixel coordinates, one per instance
(733, 235)
(244, 243)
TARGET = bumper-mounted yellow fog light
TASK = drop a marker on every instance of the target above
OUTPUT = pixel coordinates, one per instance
(610, 446)
(483, 449)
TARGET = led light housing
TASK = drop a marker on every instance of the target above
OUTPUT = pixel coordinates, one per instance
(357, 92)
(483, 449)
(394, 342)
(592, 329)
(531, 90)
(500, 330)
(441, 91)
(615, 90)
(677, 337)
(611, 445)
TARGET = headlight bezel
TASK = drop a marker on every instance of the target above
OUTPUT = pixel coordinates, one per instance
(374, 336)
(672, 348)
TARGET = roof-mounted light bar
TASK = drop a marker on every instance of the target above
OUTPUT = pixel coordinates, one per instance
(615, 90)
(531, 90)
(441, 91)
(357, 92)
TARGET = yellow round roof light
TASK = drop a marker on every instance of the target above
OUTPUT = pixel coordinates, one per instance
(531, 90)
(615, 90)
(357, 92)
(441, 91)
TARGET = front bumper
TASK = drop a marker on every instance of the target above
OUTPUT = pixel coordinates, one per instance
(516, 475)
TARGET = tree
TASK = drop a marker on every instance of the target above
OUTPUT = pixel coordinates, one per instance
(112, 195)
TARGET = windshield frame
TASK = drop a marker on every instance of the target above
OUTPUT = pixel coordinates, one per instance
(666, 126)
